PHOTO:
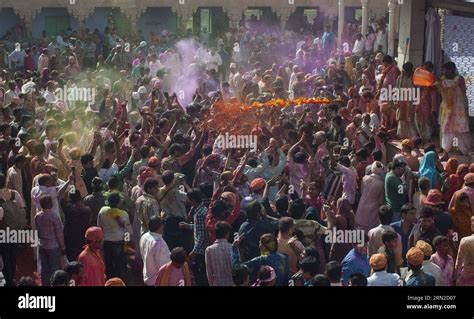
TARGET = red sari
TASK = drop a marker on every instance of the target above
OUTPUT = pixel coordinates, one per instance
(454, 180)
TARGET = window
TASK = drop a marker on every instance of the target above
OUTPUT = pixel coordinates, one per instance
(189, 24)
(253, 12)
(358, 14)
(54, 25)
(206, 23)
(310, 14)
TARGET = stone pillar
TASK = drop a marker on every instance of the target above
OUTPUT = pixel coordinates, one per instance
(284, 20)
(184, 11)
(133, 14)
(340, 24)
(80, 13)
(442, 14)
(412, 22)
(284, 13)
(392, 4)
(365, 16)
(235, 15)
(182, 18)
(27, 16)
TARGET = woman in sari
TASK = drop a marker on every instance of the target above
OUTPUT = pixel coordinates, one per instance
(462, 171)
(461, 214)
(451, 181)
(428, 169)
(372, 197)
(354, 101)
(388, 80)
(406, 127)
(453, 117)
(424, 119)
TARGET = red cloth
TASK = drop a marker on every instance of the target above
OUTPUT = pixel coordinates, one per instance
(211, 221)
(28, 61)
(94, 267)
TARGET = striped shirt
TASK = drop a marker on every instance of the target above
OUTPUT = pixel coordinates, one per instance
(332, 182)
(218, 263)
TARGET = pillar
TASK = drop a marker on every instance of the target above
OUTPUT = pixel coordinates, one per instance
(365, 16)
(340, 25)
(412, 26)
(392, 4)
(184, 11)
(235, 15)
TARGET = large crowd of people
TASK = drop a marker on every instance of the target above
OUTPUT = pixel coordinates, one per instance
(131, 185)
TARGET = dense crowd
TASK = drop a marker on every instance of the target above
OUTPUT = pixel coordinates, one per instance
(133, 181)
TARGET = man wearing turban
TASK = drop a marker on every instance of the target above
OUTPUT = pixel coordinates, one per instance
(92, 260)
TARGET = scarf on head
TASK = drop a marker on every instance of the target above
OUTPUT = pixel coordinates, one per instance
(451, 166)
(385, 73)
(428, 168)
(165, 280)
(377, 170)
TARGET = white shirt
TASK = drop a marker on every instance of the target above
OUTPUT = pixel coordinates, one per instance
(381, 39)
(292, 81)
(213, 61)
(154, 67)
(384, 279)
(359, 46)
(8, 97)
(39, 192)
(201, 55)
(106, 174)
(50, 97)
(375, 238)
(60, 41)
(299, 45)
(432, 269)
(155, 253)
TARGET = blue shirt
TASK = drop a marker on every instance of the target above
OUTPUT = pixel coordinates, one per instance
(420, 278)
(397, 226)
(277, 261)
(253, 230)
(354, 262)
(327, 40)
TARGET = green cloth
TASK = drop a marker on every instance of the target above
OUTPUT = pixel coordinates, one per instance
(396, 192)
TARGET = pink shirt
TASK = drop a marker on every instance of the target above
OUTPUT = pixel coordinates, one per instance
(320, 153)
(298, 172)
(447, 268)
(176, 276)
(349, 182)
